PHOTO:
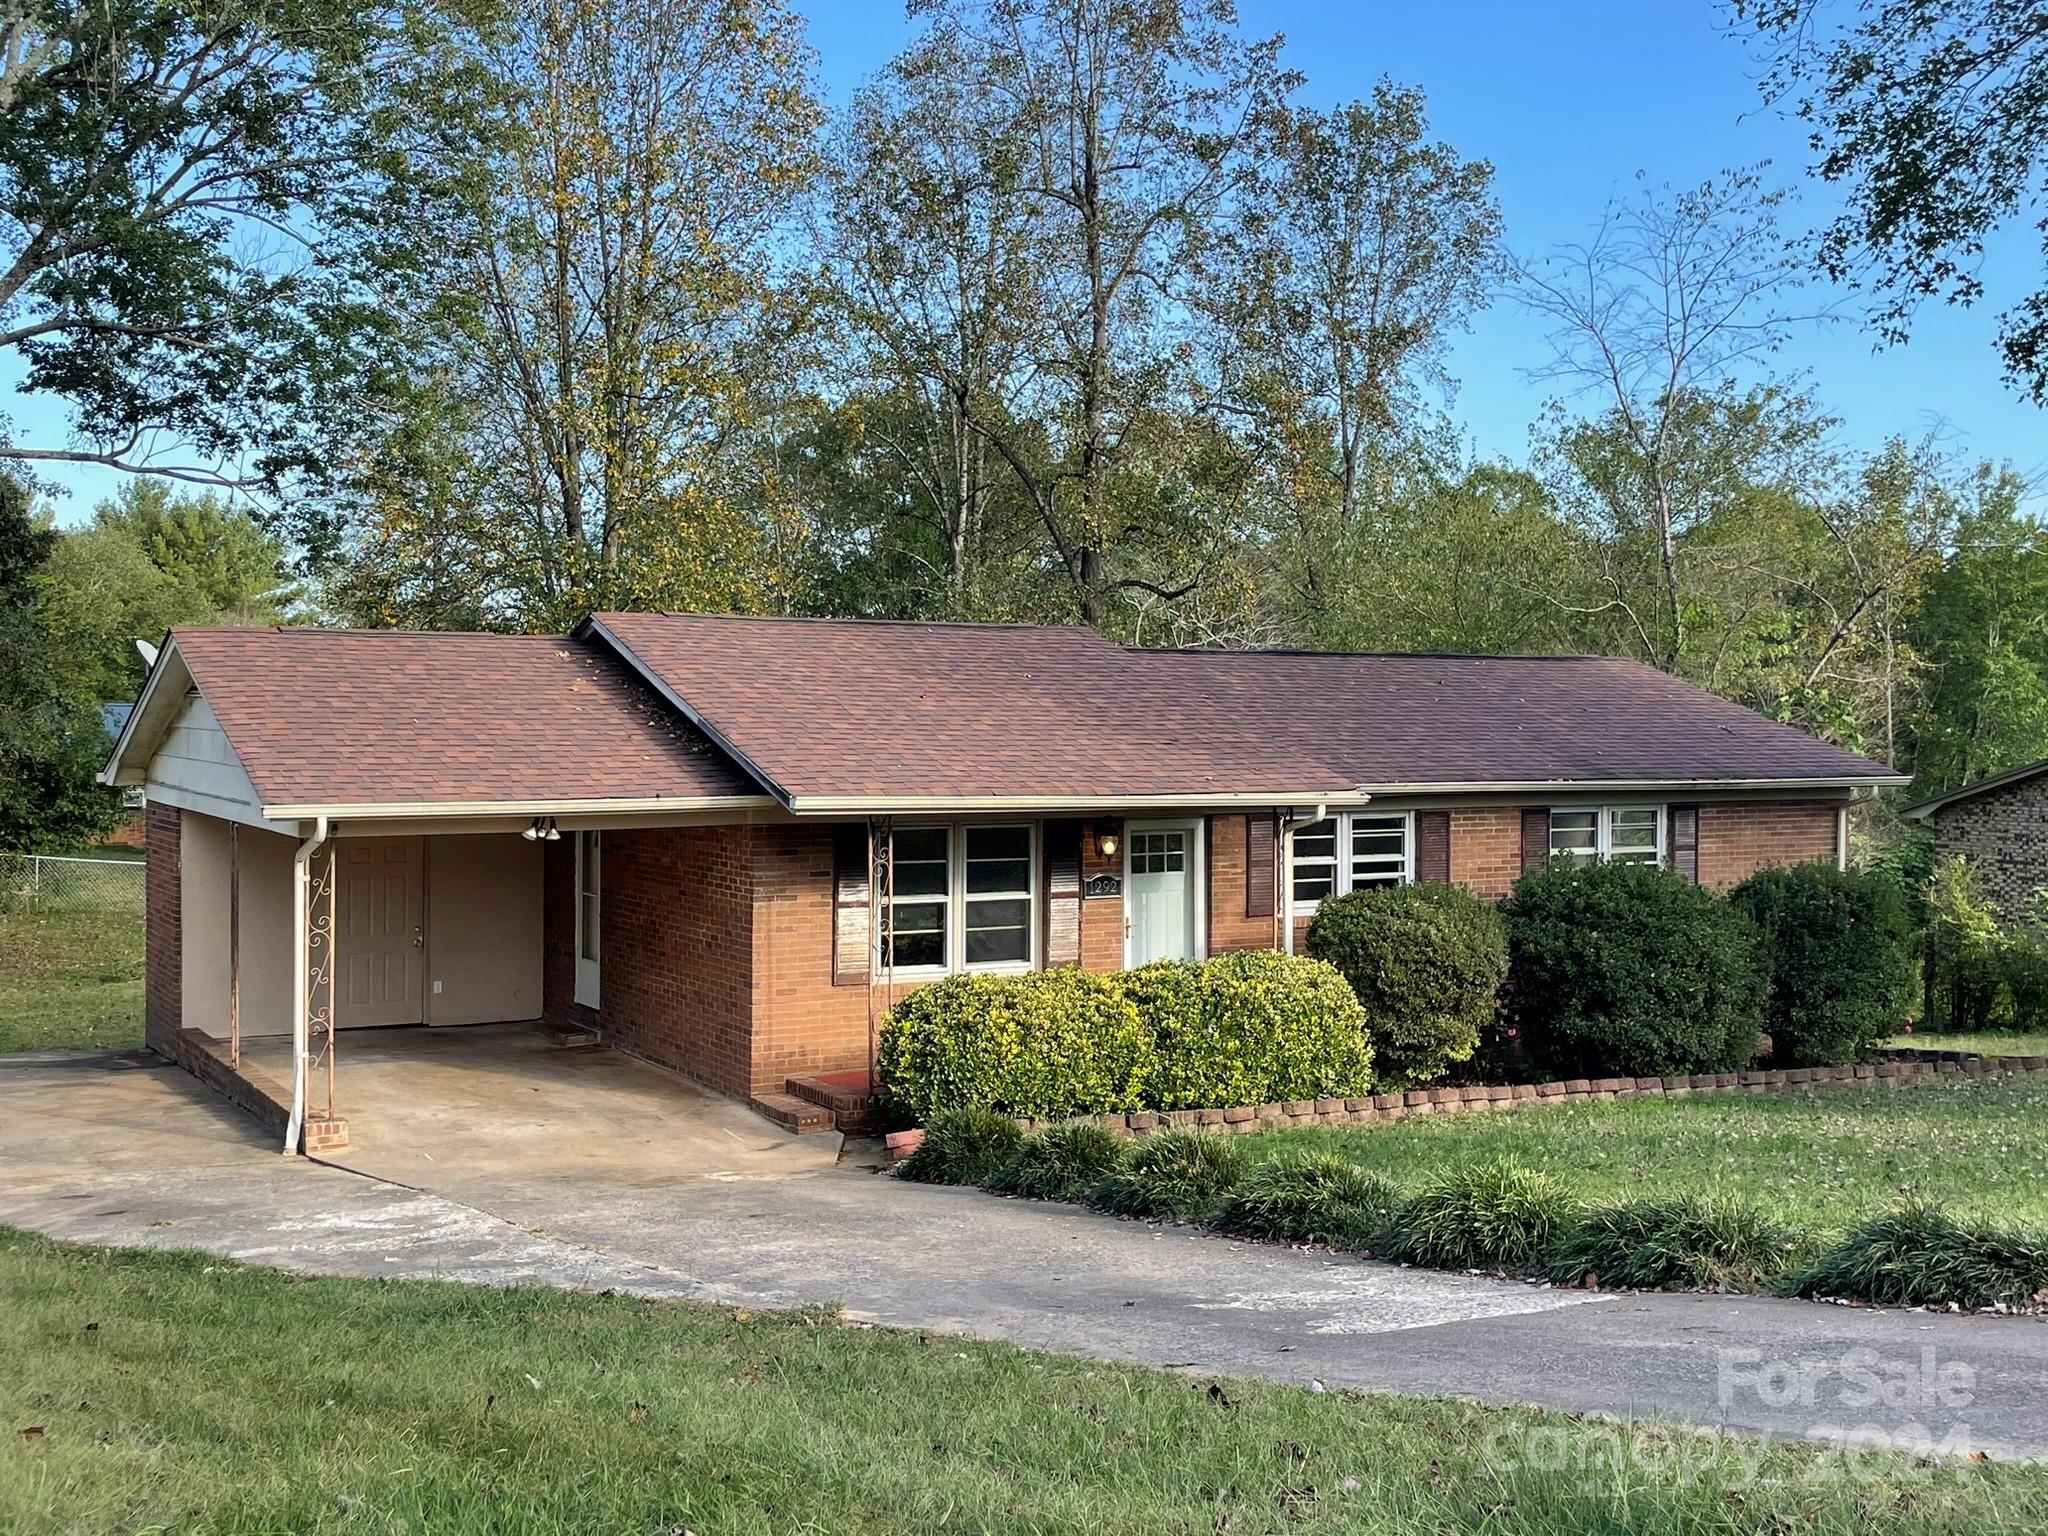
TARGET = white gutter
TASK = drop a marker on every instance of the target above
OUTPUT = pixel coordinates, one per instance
(421, 810)
(300, 860)
(1264, 799)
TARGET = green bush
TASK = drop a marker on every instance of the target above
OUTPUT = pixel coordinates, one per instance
(962, 1146)
(1629, 970)
(1427, 963)
(1178, 1174)
(1310, 1197)
(1255, 1027)
(1048, 1044)
(1920, 1256)
(1496, 1216)
(1837, 952)
(1981, 973)
(1061, 1162)
(1676, 1244)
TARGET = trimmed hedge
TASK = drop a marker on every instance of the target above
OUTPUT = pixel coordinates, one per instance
(1630, 970)
(1256, 1027)
(1047, 1044)
(1427, 963)
(1837, 952)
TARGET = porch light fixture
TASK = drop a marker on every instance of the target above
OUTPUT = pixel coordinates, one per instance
(542, 830)
(1107, 838)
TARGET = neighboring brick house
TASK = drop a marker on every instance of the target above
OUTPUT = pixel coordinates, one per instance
(2000, 825)
(727, 845)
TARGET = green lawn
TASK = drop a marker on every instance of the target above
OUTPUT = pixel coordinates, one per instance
(1984, 1045)
(70, 980)
(1820, 1161)
(161, 1393)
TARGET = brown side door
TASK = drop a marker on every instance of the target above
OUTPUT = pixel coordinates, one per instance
(380, 918)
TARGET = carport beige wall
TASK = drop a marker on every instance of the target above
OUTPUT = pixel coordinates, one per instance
(483, 929)
(266, 938)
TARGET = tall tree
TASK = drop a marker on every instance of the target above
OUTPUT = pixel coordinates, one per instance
(1364, 247)
(1981, 628)
(1674, 295)
(50, 738)
(1932, 115)
(1130, 126)
(931, 262)
(593, 413)
(209, 210)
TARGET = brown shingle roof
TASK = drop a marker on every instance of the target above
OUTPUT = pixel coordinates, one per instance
(1391, 720)
(837, 710)
(829, 709)
(333, 717)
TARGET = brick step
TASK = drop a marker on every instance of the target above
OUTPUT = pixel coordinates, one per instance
(792, 1113)
(845, 1094)
(573, 1037)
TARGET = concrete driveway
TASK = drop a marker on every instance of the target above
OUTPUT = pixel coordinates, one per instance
(122, 1150)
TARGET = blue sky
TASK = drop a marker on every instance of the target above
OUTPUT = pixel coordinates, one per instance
(1570, 100)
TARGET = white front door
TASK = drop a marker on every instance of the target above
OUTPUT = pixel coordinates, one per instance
(1162, 864)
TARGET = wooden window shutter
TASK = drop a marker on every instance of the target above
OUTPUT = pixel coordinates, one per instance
(1535, 837)
(1063, 893)
(852, 944)
(1685, 841)
(1258, 866)
(1433, 847)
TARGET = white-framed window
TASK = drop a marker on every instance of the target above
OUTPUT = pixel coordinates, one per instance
(963, 898)
(1350, 853)
(1626, 834)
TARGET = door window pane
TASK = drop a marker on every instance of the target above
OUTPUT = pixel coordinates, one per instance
(586, 897)
(1158, 853)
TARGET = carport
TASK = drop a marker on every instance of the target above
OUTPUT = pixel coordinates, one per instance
(353, 861)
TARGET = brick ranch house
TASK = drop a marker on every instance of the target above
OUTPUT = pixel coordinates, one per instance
(2000, 825)
(725, 845)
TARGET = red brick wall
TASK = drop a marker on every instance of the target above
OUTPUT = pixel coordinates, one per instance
(164, 939)
(1486, 850)
(1229, 928)
(1738, 840)
(1102, 917)
(675, 952)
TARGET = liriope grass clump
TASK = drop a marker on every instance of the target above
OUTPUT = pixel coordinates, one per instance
(1683, 1243)
(1061, 1162)
(962, 1146)
(1921, 1256)
(1182, 1175)
(1494, 1216)
(1310, 1197)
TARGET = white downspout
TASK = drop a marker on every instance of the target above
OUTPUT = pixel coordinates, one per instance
(300, 862)
(1284, 897)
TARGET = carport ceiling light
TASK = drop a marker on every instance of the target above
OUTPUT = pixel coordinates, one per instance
(542, 830)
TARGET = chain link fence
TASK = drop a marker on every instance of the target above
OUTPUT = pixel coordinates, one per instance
(32, 882)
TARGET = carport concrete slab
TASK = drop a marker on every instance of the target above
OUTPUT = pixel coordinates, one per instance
(466, 1109)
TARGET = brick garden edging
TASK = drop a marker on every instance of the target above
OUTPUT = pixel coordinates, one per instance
(1376, 1108)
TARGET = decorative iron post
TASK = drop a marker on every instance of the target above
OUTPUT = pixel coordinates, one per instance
(320, 958)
